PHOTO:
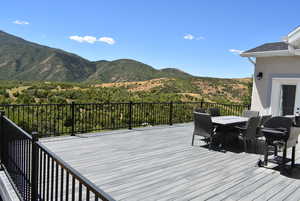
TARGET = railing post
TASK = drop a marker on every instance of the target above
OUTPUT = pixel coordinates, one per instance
(171, 114)
(73, 118)
(34, 167)
(2, 141)
(130, 116)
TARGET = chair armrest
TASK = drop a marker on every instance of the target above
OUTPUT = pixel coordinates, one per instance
(282, 129)
(275, 130)
(243, 128)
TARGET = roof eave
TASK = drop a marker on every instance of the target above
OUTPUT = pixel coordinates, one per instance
(295, 31)
(266, 53)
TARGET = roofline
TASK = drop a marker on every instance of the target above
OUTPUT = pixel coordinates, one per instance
(266, 53)
(295, 31)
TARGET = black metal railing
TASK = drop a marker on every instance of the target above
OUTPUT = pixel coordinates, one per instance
(36, 173)
(60, 119)
(16, 156)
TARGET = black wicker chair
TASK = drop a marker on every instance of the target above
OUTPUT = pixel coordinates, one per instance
(200, 110)
(214, 112)
(248, 132)
(203, 127)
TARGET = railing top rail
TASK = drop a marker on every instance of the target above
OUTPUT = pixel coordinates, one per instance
(227, 104)
(103, 103)
(150, 102)
(224, 104)
(188, 102)
(92, 187)
(17, 127)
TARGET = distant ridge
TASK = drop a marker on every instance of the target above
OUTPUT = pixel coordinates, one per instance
(27, 61)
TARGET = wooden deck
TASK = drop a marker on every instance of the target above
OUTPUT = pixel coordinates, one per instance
(159, 163)
(7, 192)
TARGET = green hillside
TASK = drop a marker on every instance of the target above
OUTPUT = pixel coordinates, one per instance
(155, 90)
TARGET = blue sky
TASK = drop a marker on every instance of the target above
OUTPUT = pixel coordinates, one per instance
(192, 35)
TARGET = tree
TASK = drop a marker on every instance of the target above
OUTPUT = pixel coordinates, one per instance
(246, 100)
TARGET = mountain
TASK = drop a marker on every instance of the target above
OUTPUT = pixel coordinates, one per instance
(27, 61)
(23, 60)
(124, 70)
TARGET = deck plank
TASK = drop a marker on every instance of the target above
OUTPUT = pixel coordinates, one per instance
(158, 163)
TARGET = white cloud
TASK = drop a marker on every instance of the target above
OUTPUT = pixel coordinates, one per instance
(86, 39)
(189, 37)
(20, 22)
(200, 38)
(235, 51)
(107, 40)
(92, 39)
(192, 37)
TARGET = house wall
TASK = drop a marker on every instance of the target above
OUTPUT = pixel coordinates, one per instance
(271, 67)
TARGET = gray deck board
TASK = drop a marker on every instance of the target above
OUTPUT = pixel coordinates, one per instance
(158, 163)
(7, 191)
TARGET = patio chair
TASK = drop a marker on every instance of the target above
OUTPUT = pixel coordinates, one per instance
(214, 112)
(277, 132)
(248, 132)
(200, 110)
(263, 120)
(203, 127)
(250, 113)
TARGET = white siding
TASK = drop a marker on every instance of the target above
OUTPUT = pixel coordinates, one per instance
(271, 67)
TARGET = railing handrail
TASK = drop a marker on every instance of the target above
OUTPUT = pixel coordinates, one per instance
(17, 127)
(95, 189)
(103, 103)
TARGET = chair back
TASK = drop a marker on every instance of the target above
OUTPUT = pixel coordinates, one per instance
(214, 112)
(264, 119)
(280, 128)
(250, 113)
(203, 124)
(200, 110)
(279, 122)
(251, 128)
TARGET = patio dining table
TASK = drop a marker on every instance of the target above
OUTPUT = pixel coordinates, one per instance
(229, 120)
(226, 128)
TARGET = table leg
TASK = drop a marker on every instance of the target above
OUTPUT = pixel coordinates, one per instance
(266, 150)
(284, 154)
(275, 150)
(293, 156)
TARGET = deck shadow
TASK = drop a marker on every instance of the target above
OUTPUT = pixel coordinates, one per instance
(287, 171)
(236, 146)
